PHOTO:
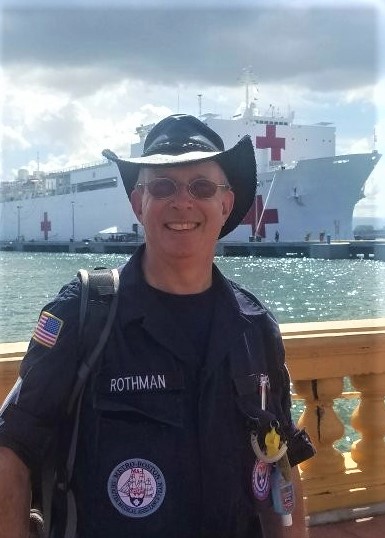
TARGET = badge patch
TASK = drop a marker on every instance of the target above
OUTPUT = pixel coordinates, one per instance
(261, 480)
(136, 487)
(47, 329)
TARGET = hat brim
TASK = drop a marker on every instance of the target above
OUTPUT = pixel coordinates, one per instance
(238, 164)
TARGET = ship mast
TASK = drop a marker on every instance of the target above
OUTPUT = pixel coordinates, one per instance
(200, 104)
(248, 79)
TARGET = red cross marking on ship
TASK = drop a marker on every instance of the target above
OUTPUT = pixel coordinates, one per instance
(271, 141)
(45, 225)
(257, 216)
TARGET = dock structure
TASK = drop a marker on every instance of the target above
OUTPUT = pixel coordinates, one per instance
(333, 250)
(344, 490)
(302, 249)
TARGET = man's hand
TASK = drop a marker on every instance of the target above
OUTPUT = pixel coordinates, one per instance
(15, 496)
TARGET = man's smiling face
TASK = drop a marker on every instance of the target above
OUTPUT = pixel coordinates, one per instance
(180, 225)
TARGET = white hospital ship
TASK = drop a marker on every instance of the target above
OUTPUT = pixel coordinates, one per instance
(304, 189)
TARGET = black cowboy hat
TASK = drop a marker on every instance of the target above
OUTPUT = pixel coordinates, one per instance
(182, 139)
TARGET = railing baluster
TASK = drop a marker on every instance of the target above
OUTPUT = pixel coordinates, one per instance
(322, 424)
(369, 419)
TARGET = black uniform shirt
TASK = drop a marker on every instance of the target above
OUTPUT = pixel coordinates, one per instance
(164, 446)
(192, 315)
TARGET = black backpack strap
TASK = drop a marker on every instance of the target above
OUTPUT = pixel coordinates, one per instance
(98, 306)
(83, 276)
(98, 284)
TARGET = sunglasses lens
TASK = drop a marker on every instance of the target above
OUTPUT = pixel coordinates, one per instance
(164, 187)
(202, 188)
(161, 187)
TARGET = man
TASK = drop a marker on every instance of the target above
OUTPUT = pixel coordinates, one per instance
(193, 370)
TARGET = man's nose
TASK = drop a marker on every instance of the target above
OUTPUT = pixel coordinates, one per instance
(182, 194)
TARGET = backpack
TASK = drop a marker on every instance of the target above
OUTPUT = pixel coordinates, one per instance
(98, 305)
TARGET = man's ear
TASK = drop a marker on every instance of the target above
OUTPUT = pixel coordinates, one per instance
(227, 204)
(136, 202)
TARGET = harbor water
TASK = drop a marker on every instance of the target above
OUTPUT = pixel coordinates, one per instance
(296, 290)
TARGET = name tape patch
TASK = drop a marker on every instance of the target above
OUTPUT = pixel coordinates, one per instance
(47, 329)
(150, 382)
(136, 488)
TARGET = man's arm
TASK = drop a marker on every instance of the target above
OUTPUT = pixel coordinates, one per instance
(15, 495)
(272, 522)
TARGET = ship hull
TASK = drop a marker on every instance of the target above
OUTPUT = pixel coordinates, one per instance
(316, 196)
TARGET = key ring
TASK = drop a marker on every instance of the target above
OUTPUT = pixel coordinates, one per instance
(262, 456)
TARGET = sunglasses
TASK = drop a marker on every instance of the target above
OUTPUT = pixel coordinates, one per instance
(164, 187)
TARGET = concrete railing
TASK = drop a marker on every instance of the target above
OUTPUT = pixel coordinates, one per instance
(320, 357)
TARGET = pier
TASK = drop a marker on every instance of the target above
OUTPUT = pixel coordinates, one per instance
(333, 250)
(344, 492)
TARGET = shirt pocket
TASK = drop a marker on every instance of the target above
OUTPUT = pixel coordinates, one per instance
(141, 398)
(133, 430)
(249, 403)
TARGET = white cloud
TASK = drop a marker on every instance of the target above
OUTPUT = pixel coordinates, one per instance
(30, 102)
(358, 95)
(12, 137)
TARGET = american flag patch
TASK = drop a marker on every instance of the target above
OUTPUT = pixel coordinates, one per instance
(47, 329)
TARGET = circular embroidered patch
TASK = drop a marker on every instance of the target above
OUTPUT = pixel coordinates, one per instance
(136, 487)
(261, 480)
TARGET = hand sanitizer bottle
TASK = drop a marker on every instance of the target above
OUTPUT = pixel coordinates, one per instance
(283, 491)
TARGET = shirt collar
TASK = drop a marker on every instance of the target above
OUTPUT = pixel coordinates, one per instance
(134, 292)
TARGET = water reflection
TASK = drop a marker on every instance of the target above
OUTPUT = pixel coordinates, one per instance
(295, 290)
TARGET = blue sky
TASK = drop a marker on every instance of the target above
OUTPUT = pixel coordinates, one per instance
(78, 77)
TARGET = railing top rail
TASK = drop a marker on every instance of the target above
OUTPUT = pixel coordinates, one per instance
(329, 349)
(12, 349)
(331, 327)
